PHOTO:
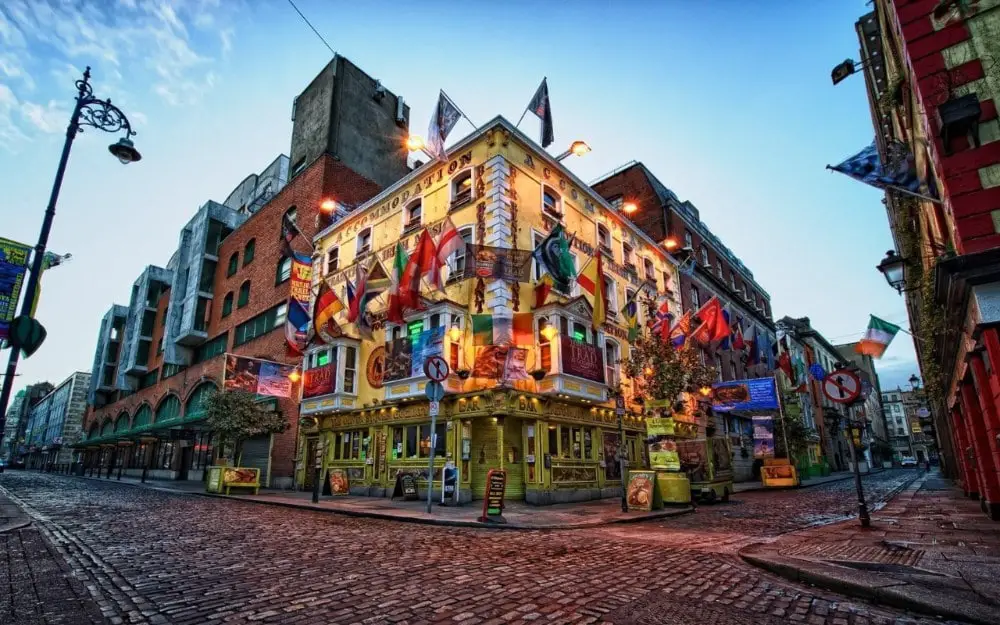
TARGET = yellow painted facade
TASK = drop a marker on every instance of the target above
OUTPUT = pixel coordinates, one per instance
(552, 435)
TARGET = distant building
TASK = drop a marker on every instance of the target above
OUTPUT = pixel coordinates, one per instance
(12, 446)
(55, 424)
(880, 449)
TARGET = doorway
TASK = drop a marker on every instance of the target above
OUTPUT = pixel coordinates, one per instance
(187, 456)
(310, 462)
(484, 453)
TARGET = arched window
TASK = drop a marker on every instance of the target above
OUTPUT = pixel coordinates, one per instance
(143, 417)
(612, 354)
(107, 427)
(248, 251)
(244, 297)
(284, 271)
(227, 304)
(169, 409)
(234, 264)
(195, 408)
(121, 423)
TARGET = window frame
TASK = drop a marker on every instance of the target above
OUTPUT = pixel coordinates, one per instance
(611, 296)
(688, 239)
(359, 252)
(234, 265)
(601, 245)
(695, 297)
(461, 255)
(409, 224)
(227, 305)
(611, 377)
(649, 269)
(628, 254)
(249, 251)
(242, 301)
(335, 253)
(557, 210)
(456, 199)
(279, 272)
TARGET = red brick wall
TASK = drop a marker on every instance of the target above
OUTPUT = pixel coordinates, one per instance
(633, 186)
(325, 178)
(967, 205)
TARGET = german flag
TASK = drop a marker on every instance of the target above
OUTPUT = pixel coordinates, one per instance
(327, 305)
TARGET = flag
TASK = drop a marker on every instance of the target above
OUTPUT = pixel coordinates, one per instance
(591, 280)
(361, 320)
(738, 341)
(542, 108)
(817, 372)
(396, 295)
(631, 314)
(785, 364)
(49, 260)
(327, 305)
(449, 243)
(713, 325)
(660, 326)
(296, 327)
(727, 341)
(542, 290)
(494, 330)
(445, 116)
(679, 333)
(523, 329)
(877, 338)
(552, 255)
(288, 233)
(753, 345)
(422, 263)
(866, 166)
(354, 294)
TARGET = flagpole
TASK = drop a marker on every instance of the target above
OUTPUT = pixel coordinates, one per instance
(522, 117)
(460, 112)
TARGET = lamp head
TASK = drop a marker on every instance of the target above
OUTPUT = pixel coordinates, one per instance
(414, 143)
(125, 151)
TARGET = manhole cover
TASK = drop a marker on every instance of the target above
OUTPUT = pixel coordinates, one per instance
(658, 609)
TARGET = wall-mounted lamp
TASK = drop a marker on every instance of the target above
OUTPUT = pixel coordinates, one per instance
(577, 148)
(548, 330)
(455, 332)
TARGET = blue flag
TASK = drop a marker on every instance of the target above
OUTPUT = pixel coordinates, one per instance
(901, 175)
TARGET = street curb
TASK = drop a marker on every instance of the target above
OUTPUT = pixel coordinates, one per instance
(865, 585)
(757, 489)
(663, 514)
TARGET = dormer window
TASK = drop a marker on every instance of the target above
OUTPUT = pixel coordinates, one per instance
(551, 204)
(364, 241)
(604, 239)
(628, 258)
(412, 216)
(461, 189)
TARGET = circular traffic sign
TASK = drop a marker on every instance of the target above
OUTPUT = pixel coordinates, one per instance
(842, 386)
(436, 368)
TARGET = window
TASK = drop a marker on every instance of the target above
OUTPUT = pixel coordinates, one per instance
(616, 202)
(149, 379)
(248, 251)
(704, 256)
(297, 169)
(627, 257)
(688, 240)
(260, 325)
(284, 271)
(412, 216)
(169, 409)
(159, 346)
(332, 260)
(350, 368)
(649, 270)
(227, 305)
(718, 269)
(414, 441)
(551, 203)
(211, 348)
(364, 241)
(292, 215)
(244, 297)
(732, 281)
(571, 442)
(461, 188)
(611, 357)
(459, 258)
(611, 297)
(604, 239)
(350, 445)
(695, 298)
(666, 281)
(234, 264)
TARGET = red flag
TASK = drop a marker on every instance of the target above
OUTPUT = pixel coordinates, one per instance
(713, 323)
(422, 262)
(449, 243)
(785, 364)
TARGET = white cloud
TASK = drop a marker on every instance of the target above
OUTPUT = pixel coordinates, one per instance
(163, 47)
(49, 119)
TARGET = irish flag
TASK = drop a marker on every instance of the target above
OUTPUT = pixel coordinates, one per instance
(396, 288)
(880, 333)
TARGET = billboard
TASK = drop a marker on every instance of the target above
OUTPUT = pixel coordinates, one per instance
(753, 394)
(763, 436)
(261, 377)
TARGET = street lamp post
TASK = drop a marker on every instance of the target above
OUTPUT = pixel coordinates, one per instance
(88, 111)
(863, 516)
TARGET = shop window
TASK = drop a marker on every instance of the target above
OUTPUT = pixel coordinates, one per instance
(284, 270)
(551, 204)
(574, 443)
(461, 188)
(351, 445)
(554, 441)
(248, 251)
(234, 264)
(244, 297)
(414, 441)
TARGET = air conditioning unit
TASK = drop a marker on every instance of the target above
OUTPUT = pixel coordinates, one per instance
(379, 94)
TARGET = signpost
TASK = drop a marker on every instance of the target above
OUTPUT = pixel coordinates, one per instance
(436, 369)
(620, 413)
(844, 387)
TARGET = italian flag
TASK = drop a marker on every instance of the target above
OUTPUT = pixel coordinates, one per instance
(395, 313)
(877, 338)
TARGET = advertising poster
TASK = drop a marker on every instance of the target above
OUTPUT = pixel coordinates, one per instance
(318, 381)
(261, 377)
(639, 494)
(13, 266)
(498, 263)
(405, 357)
(426, 344)
(501, 362)
(339, 483)
(754, 394)
(763, 437)
(582, 360)
(663, 455)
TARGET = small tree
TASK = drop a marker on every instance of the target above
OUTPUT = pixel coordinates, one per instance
(235, 416)
(799, 436)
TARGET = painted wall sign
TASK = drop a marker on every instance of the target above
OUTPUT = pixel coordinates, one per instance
(582, 359)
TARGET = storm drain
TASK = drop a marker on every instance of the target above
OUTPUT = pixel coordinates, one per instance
(879, 555)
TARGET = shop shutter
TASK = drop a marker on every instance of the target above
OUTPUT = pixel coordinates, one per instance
(255, 454)
(484, 454)
(515, 470)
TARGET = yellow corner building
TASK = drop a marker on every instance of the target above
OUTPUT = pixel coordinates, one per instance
(556, 435)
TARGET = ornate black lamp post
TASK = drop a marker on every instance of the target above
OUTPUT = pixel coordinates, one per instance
(96, 113)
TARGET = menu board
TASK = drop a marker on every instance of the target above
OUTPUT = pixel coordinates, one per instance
(339, 483)
(496, 484)
(406, 487)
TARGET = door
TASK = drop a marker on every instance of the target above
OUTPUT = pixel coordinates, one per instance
(187, 456)
(513, 460)
(310, 462)
(484, 453)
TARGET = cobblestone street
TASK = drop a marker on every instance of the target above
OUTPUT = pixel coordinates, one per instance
(150, 556)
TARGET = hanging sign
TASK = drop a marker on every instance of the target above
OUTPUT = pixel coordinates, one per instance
(13, 266)
(842, 386)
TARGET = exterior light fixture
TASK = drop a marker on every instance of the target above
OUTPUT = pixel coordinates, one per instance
(547, 330)
(294, 376)
(455, 332)
(914, 381)
(705, 391)
(670, 243)
(577, 148)
(328, 206)
(125, 151)
(629, 208)
(415, 143)
(892, 268)
(842, 71)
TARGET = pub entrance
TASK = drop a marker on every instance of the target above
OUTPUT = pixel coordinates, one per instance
(497, 444)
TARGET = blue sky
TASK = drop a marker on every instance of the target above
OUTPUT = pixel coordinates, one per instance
(730, 104)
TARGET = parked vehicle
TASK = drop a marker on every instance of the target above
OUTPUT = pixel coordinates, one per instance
(908, 461)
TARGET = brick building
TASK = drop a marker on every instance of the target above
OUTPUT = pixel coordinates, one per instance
(709, 268)
(225, 289)
(930, 69)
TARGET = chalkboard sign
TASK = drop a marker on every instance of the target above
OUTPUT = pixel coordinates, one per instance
(496, 483)
(406, 487)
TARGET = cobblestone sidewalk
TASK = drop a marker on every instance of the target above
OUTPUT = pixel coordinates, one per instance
(929, 549)
(36, 585)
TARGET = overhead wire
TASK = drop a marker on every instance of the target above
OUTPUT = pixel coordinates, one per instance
(308, 23)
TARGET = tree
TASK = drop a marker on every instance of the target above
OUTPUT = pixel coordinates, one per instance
(659, 370)
(798, 435)
(235, 416)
